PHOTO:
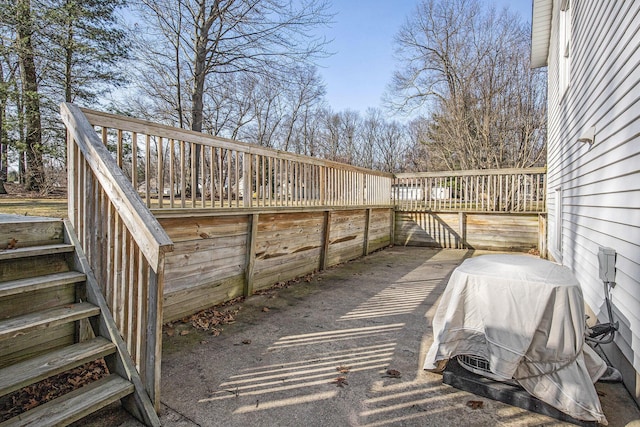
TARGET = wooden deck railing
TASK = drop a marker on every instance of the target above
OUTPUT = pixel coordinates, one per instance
(499, 190)
(123, 242)
(175, 168)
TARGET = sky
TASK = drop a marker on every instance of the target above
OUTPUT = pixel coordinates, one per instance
(358, 73)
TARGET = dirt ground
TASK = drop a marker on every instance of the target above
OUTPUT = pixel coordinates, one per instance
(344, 348)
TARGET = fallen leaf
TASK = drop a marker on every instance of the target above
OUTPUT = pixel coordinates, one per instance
(12, 243)
(392, 373)
(340, 382)
(343, 369)
(265, 309)
(475, 404)
(204, 235)
(183, 333)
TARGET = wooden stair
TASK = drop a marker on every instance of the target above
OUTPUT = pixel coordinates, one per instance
(47, 327)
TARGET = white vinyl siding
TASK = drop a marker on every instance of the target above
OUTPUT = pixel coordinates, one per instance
(564, 47)
(600, 184)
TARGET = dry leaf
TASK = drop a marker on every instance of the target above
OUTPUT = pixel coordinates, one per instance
(340, 382)
(475, 404)
(343, 369)
(265, 309)
(12, 243)
(392, 373)
(183, 333)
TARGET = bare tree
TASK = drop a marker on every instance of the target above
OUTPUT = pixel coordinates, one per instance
(263, 37)
(467, 69)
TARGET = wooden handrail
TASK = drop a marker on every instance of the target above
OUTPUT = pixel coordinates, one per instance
(114, 121)
(146, 230)
(124, 243)
(470, 172)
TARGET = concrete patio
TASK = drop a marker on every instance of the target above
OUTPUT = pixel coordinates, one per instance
(278, 364)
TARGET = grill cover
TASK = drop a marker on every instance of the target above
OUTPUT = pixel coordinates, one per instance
(525, 316)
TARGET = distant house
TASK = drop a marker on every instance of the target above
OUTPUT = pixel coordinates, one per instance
(591, 49)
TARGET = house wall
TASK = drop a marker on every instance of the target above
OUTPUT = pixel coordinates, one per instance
(599, 201)
(220, 255)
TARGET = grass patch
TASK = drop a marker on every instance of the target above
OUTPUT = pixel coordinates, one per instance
(54, 208)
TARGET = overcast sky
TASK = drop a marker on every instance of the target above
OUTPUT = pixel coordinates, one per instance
(357, 75)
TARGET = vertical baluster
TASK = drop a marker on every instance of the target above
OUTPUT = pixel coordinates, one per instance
(183, 174)
(221, 182)
(230, 183)
(192, 164)
(212, 176)
(160, 163)
(238, 180)
(147, 170)
(203, 181)
(119, 150)
(172, 173)
(134, 160)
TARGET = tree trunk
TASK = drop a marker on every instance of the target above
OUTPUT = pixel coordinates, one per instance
(4, 167)
(33, 139)
(199, 75)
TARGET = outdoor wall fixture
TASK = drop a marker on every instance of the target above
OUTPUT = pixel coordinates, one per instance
(588, 136)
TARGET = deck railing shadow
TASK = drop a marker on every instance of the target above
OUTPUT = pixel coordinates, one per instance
(242, 217)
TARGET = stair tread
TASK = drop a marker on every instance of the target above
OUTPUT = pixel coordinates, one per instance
(76, 404)
(30, 371)
(19, 325)
(19, 286)
(29, 251)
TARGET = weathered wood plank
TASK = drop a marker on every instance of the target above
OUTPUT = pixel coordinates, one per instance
(23, 303)
(185, 229)
(174, 280)
(222, 244)
(32, 251)
(75, 405)
(215, 258)
(187, 301)
(21, 268)
(33, 370)
(326, 239)
(32, 284)
(266, 266)
(30, 322)
(35, 343)
(283, 275)
(37, 232)
(251, 254)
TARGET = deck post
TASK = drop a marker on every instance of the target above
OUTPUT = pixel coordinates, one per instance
(365, 239)
(251, 254)
(326, 235)
(462, 230)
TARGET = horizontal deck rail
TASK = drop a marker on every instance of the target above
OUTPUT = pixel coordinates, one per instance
(124, 243)
(498, 190)
(176, 168)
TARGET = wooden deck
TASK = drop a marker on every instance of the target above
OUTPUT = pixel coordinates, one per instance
(173, 221)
